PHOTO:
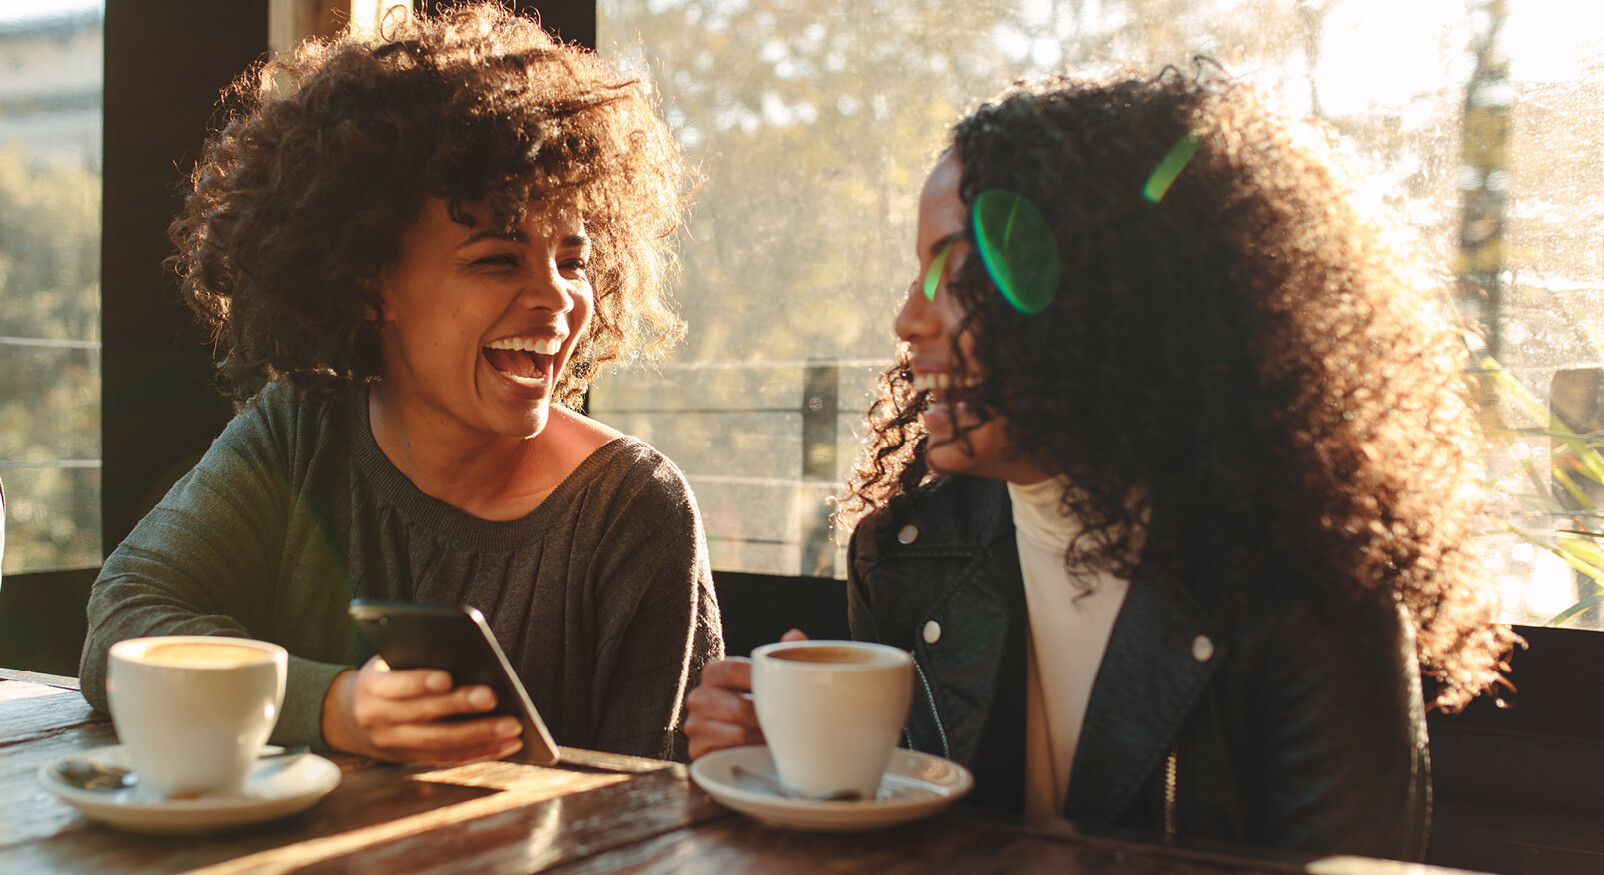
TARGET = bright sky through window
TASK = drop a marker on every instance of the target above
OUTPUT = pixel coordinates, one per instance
(15, 10)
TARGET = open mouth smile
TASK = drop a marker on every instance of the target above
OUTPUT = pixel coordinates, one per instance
(934, 385)
(527, 361)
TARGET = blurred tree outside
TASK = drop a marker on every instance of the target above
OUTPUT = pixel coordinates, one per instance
(814, 123)
(50, 196)
(1544, 418)
(49, 362)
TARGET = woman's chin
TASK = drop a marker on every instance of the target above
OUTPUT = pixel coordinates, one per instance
(948, 458)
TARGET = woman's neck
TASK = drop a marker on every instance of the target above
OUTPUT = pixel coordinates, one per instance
(492, 477)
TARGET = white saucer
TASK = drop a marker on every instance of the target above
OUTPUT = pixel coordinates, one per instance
(275, 788)
(915, 785)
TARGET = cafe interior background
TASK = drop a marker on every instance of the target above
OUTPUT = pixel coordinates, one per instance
(1470, 127)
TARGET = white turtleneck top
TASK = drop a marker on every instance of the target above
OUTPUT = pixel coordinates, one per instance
(1070, 622)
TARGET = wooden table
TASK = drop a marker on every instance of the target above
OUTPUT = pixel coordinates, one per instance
(613, 815)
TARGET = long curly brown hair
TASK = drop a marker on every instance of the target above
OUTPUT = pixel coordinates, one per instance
(329, 152)
(1245, 354)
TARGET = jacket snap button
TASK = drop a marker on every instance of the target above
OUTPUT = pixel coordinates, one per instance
(1202, 648)
(932, 632)
(908, 534)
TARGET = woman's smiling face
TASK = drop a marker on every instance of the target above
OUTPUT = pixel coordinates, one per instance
(959, 441)
(477, 324)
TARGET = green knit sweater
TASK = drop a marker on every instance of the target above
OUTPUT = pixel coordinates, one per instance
(601, 597)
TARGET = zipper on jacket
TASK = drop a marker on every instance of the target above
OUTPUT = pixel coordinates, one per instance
(1171, 767)
(930, 697)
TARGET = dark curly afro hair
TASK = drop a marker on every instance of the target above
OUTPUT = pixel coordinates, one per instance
(329, 152)
(1245, 354)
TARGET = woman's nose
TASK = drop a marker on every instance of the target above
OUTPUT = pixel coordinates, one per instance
(917, 317)
(548, 289)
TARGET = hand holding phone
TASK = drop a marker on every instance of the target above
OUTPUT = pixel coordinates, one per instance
(455, 640)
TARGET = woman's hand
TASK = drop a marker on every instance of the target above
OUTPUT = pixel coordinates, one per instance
(719, 711)
(397, 715)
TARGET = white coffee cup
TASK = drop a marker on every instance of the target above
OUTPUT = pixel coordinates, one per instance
(831, 711)
(194, 710)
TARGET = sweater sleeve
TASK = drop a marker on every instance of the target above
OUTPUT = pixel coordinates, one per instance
(205, 561)
(658, 616)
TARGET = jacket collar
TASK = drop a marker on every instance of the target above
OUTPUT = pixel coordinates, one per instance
(1161, 654)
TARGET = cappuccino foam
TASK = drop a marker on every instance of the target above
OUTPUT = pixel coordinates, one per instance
(189, 654)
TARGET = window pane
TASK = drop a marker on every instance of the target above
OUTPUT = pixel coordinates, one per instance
(50, 135)
(814, 123)
(1546, 322)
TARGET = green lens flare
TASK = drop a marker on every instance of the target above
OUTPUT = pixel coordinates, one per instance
(1018, 249)
(933, 275)
(1170, 166)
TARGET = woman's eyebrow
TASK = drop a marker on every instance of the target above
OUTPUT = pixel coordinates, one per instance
(514, 236)
(572, 241)
(941, 243)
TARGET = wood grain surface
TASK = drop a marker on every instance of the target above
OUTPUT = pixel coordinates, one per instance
(595, 813)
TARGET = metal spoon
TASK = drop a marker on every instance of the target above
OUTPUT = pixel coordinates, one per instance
(775, 785)
(105, 777)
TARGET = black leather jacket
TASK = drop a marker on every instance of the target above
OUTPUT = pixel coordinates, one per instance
(1291, 731)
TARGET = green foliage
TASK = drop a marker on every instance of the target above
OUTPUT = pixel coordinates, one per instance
(49, 360)
(1565, 494)
(813, 125)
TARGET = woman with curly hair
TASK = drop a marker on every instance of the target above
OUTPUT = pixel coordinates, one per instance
(1166, 490)
(417, 250)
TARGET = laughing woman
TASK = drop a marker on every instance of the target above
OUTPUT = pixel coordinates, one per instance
(1166, 492)
(416, 252)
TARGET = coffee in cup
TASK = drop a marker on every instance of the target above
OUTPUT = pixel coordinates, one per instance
(194, 710)
(831, 711)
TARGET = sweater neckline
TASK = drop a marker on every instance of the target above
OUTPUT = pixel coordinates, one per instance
(447, 520)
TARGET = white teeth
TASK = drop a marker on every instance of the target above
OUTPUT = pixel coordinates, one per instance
(927, 382)
(543, 346)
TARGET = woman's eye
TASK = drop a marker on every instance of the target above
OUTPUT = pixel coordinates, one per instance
(575, 265)
(501, 260)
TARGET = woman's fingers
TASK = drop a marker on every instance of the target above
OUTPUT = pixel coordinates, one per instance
(390, 684)
(451, 741)
(403, 715)
(733, 673)
(420, 695)
(794, 635)
(719, 712)
(723, 705)
(719, 718)
(709, 736)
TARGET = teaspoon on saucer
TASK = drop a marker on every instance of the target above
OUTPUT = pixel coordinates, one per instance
(105, 777)
(779, 787)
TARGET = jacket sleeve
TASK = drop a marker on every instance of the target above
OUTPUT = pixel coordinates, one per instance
(204, 561)
(658, 618)
(1340, 737)
(862, 552)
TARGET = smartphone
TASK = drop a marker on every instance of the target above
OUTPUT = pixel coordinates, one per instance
(456, 640)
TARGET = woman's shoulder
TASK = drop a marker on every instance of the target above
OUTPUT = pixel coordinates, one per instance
(613, 461)
(1295, 624)
(282, 405)
(953, 517)
(284, 428)
(954, 509)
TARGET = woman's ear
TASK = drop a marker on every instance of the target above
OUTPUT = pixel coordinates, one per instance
(372, 290)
